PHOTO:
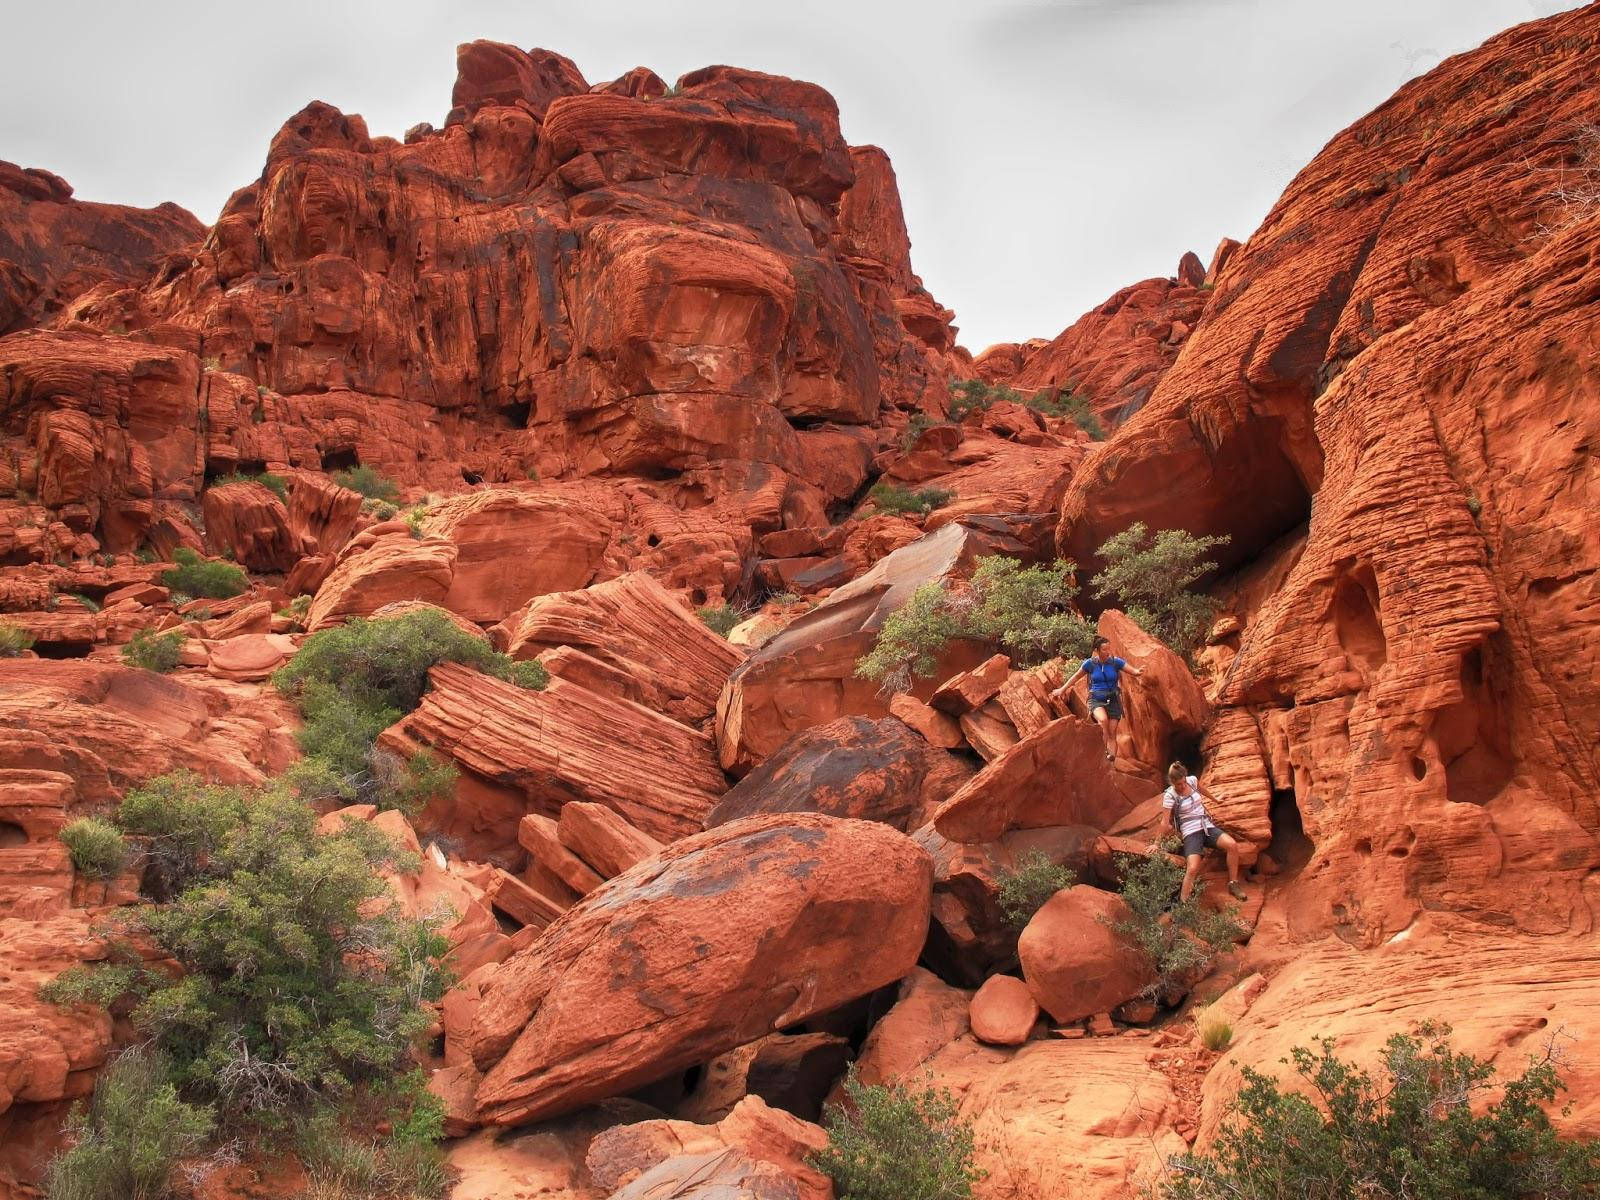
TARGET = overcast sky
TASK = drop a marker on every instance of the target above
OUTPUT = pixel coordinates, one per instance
(1049, 152)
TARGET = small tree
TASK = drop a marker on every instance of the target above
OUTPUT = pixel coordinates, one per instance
(1421, 1129)
(1025, 610)
(1179, 937)
(888, 1142)
(124, 1144)
(1024, 891)
(300, 977)
(159, 652)
(1152, 576)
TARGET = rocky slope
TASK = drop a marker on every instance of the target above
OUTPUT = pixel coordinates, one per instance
(626, 351)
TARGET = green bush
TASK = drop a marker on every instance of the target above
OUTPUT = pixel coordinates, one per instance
(1216, 1036)
(369, 483)
(1024, 610)
(919, 424)
(888, 1142)
(276, 484)
(1423, 1128)
(974, 395)
(1023, 892)
(1179, 937)
(301, 978)
(1152, 577)
(96, 847)
(196, 576)
(296, 610)
(88, 602)
(720, 618)
(124, 1144)
(159, 652)
(353, 681)
(14, 640)
(898, 499)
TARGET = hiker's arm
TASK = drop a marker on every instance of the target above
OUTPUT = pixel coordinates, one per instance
(1162, 830)
(1062, 690)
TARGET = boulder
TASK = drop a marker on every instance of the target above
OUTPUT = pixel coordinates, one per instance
(598, 1006)
(391, 568)
(852, 767)
(540, 837)
(601, 838)
(792, 1072)
(1003, 1011)
(928, 1015)
(1075, 962)
(250, 524)
(970, 690)
(1058, 776)
(1165, 708)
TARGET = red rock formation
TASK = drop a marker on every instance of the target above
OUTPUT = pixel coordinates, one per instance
(560, 1026)
(54, 248)
(1075, 962)
(1114, 355)
(1003, 1011)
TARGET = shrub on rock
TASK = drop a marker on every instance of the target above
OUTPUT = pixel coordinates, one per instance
(96, 847)
(196, 576)
(159, 652)
(1179, 938)
(1153, 575)
(370, 484)
(14, 640)
(897, 499)
(1421, 1127)
(1023, 891)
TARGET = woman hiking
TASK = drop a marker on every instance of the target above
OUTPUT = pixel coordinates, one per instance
(1183, 805)
(1104, 670)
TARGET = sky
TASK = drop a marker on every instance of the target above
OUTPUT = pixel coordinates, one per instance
(1049, 152)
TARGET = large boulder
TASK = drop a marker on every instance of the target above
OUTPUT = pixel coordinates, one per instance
(695, 952)
(249, 522)
(1165, 709)
(379, 568)
(1058, 776)
(1075, 961)
(853, 767)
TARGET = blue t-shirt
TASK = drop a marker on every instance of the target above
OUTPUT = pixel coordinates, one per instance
(1103, 675)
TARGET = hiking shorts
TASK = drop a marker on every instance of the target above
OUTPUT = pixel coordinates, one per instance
(1201, 840)
(1112, 704)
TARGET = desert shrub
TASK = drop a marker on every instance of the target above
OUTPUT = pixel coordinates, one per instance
(14, 640)
(196, 576)
(301, 978)
(719, 618)
(1216, 1036)
(890, 1142)
(353, 681)
(96, 847)
(343, 1160)
(296, 610)
(369, 483)
(1179, 937)
(124, 1144)
(88, 602)
(1152, 577)
(1025, 610)
(899, 499)
(415, 518)
(1023, 892)
(1421, 1127)
(974, 395)
(276, 484)
(1064, 402)
(919, 424)
(159, 652)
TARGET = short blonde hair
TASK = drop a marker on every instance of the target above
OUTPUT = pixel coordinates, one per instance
(1177, 773)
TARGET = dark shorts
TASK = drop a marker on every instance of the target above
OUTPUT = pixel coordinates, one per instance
(1199, 843)
(1112, 704)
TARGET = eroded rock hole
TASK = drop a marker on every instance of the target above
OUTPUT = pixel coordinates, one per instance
(1419, 767)
(12, 835)
(1470, 737)
(471, 476)
(1290, 848)
(1356, 621)
(340, 460)
(519, 414)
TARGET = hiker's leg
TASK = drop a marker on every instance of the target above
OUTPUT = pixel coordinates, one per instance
(1103, 720)
(1189, 876)
(1114, 724)
(1230, 847)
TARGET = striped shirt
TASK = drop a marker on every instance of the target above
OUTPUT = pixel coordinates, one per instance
(1191, 814)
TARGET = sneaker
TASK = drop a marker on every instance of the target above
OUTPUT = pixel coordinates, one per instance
(1236, 890)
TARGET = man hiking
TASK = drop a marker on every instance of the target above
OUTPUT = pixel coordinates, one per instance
(1104, 670)
(1183, 805)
